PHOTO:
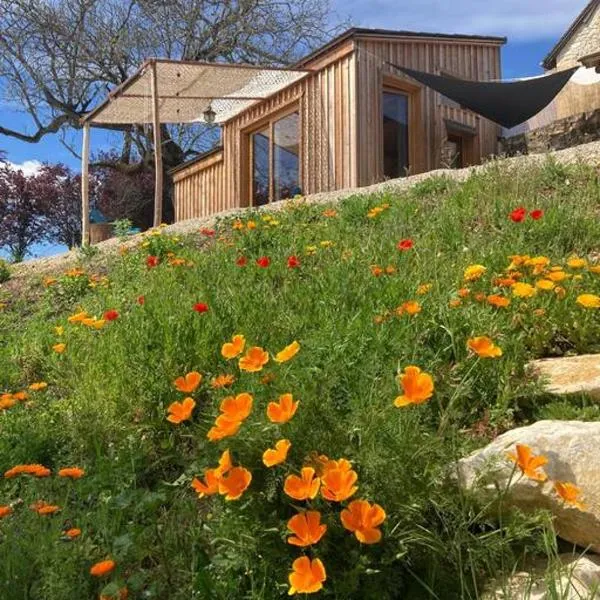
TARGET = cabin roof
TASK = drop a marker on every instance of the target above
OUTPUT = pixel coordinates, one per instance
(364, 32)
(550, 61)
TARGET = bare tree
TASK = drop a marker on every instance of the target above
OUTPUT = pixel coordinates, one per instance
(59, 58)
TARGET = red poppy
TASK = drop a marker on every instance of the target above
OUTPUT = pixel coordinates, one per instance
(152, 261)
(536, 214)
(111, 315)
(141, 300)
(263, 261)
(293, 262)
(200, 307)
(405, 244)
(208, 232)
(518, 214)
(242, 261)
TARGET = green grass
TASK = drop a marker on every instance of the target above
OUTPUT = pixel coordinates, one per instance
(106, 404)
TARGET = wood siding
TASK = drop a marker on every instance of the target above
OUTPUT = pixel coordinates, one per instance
(477, 61)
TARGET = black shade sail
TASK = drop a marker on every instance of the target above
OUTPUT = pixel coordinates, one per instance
(506, 103)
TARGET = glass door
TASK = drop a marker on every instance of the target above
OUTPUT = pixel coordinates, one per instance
(395, 134)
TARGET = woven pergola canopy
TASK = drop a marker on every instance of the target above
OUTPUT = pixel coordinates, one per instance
(186, 89)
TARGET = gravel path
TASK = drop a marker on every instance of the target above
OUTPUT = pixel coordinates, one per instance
(587, 153)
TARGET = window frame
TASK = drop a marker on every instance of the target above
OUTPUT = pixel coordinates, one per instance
(248, 155)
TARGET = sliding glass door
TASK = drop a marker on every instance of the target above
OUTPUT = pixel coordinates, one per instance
(275, 160)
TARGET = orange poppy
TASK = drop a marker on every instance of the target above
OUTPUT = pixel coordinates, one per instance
(282, 411)
(307, 576)
(34, 469)
(304, 487)
(307, 528)
(276, 456)
(104, 567)
(337, 481)
(234, 348)
(484, 347)
(7, 401)
(498, 301)
(22, 395)
(237, 408)
(78, 317)
(71, 472)
(362, 519)
(254, 359)
(94, 323)
(188, 383)
(569, 493)
(223, 428)
(528, 463)
(5, 511)
(38, 386)
(73, 533)
(288, 352)
(209, 486)
(412, 307)
(180, 411)
(43, 508)
(221, 381)
(59, 348)
(234, 483)
(416, 385)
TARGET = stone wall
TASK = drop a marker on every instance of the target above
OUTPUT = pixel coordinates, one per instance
(585, 41)
(565, 133)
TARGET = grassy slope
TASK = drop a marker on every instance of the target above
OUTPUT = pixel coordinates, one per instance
(106, 403)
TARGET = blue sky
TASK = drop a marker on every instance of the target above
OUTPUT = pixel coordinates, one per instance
(532, 28)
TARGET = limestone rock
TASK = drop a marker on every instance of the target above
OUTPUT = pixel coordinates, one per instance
(569, 374)
(573, 452)
(574, 578)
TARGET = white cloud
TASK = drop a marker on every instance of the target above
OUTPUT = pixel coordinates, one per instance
(28, 167)
(519, 20)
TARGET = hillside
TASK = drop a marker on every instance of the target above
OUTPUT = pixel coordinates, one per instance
(334, 300)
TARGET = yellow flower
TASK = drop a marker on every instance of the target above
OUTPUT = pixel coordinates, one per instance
(557, 276)
(288, 352)
(545, 284)
(424, 288)
(59, 330)
(523, 290)
(589, 300)
(484, 347)
(474, 272)
(575, 262)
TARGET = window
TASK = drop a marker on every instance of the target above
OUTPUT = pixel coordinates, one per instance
(275, 160)
(395, 134)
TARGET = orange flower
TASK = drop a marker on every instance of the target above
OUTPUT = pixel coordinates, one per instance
(104, 567)
(78, 317)
(209, 486)
(498, 301)
(35, 470)
(7, 401)
(307, 528)
(412, 307)
(569, 493)
(416, 385)
(43, 508)
(180, 411)
(189, 383)
(59, 348)
(22, 395)
(73, 533)
(288, 352)
(94, 323)
(282, 411)
(5, 511)
(338, 480)
(72, 472)
(38, 386)
(234, 483)
(464, 292)
(237, 408)
(223, 428)
(254, 360)
(234, 348)
(272, 457)
(221, 381)
(307, 576)
(304, 487)
(484, 347)
(363, 518)
(528, 463)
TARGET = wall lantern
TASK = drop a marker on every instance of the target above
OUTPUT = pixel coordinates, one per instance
(209, 115)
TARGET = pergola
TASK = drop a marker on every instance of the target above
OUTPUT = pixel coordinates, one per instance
(170, 91)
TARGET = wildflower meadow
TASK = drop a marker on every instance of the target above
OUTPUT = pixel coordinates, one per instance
(274, 405)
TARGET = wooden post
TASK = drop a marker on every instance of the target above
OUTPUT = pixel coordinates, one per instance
(158, 168)
(85, 186)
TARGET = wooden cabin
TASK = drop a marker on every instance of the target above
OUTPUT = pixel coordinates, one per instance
(353, 121)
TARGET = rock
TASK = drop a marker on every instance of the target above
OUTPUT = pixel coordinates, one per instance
(573, 578)
(569, 374)
(573, 452)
